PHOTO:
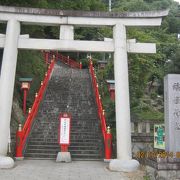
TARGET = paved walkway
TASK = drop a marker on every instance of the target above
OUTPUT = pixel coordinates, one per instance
(77, 170)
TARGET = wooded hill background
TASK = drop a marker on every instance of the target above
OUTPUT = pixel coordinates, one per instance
(146, 72)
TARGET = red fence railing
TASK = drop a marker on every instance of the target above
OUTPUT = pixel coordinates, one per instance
(70, 62)
(98, 99)
(65, 59)
(105, 131)
(23, 133)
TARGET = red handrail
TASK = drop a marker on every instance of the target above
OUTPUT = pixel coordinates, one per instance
(98, 99)
(23, 134)
(70, 62)
(65, 59)
(105, 131)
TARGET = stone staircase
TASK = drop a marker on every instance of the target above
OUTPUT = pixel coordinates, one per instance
(69, 90)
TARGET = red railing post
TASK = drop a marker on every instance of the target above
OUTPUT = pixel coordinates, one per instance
(19, 144)
(108, 144)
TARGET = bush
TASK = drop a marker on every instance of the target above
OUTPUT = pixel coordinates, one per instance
(30, 64)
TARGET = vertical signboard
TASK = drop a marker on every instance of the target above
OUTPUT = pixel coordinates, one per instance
(159, 136)
(64, 130)
(172, 112)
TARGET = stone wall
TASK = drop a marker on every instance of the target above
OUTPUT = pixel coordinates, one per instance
(155, 174)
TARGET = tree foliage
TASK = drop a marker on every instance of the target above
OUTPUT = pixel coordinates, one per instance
(144, 70)
(147, 70)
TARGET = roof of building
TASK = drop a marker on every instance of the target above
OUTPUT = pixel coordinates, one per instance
(102, 62)
(110, 81)
(25, 79)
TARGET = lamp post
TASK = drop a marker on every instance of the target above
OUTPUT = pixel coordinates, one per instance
(111, 89)
(25, 86)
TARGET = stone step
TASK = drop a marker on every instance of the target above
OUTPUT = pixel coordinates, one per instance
(72, 151)
(72, 133)
(87, 144)
(79, 116)
(53, 156)
(57, 146)
(55, 121)
(89, 125)
(73, 123)
(72, 139)
(75, 136)
(73, 129)
(75, 126)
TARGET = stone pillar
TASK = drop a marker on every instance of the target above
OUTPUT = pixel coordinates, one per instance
(124, 160)
(132, 127)
(172, 112)
(140, 127)
(66, 32)
(148, 127)
(7, 79)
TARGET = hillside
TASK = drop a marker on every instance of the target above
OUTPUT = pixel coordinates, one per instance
(146, 72)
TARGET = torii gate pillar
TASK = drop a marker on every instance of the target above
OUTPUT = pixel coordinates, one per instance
(7, 78)
(124, 161)
(66, 32)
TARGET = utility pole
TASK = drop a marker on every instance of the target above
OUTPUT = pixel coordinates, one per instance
(110, 5)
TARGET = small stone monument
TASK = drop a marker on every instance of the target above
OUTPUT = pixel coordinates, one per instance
(172, 113)
(167, 163)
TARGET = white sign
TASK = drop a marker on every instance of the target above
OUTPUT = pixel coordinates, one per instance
(64, 130)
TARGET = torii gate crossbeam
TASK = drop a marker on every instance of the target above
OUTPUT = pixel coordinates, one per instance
(79, 46)
(14, 16)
